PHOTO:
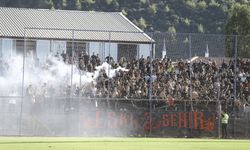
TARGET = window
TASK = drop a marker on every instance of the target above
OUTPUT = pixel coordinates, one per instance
(7, 48)
(42, 50)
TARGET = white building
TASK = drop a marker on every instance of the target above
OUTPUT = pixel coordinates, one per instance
(54, 31)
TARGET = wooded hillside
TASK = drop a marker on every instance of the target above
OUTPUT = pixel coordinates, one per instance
(197, 16)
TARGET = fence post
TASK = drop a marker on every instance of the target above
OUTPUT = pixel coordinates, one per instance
(72, 65)
(219, 104)
(109, 62)
(190, 72)
(22, 90)
(150, 86)
(219, 119)
(235, 80)
(190, 85)
(248, 124)
(235, 66)
(78, 94)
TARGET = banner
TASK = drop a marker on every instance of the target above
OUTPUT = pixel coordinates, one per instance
(141, 122)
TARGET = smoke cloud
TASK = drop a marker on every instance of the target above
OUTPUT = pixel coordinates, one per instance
(54, 72)
(42, 117)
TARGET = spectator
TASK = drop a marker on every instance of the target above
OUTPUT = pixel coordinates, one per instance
(208, 80)
(224, 122)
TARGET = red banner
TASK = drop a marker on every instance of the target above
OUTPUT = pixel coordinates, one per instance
(204, 121)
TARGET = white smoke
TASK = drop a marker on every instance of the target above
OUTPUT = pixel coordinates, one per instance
(54, 72)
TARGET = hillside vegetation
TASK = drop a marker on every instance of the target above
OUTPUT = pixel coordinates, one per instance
(230, 17)
(197, 16)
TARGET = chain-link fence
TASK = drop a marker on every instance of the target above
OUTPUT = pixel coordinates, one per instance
(173, 85)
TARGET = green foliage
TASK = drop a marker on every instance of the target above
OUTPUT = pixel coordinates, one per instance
(50, 4)
(191, 3)
(89, 1)
(152, 8)
(73, 4)
(124, 12)
(78, 4)
(59, 4)
(142, 23)
(187, 21)
(239, 24)
(171, 30)
(202, 4)
(167, 9)
(239, 21)
(144, 1)
(213, 3)
(203, 16)
(115, 4)
(200, 28)
(108, 2)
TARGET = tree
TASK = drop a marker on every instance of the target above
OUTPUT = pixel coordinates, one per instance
(27, 3)
(144, 1)
(108, 2)
(152, 9)
(200, 28)
(158, 14)
(49, 4)
(10, 3)
(167, 9)
(238, 24)
(202, 4)
(73, 5)
(89, 1)
(213, 3)
(142, 23)
(59, 4)
(115, 5)
(191, 3)
(187, 21)
(172, 30)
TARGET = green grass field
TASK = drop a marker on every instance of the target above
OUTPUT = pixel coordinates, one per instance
(58, 143)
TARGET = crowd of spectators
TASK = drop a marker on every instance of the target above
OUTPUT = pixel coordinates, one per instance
(164, 81)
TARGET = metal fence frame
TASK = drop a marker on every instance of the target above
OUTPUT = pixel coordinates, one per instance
(152, 56)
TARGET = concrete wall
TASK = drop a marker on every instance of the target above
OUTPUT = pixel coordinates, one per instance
(43, 48)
